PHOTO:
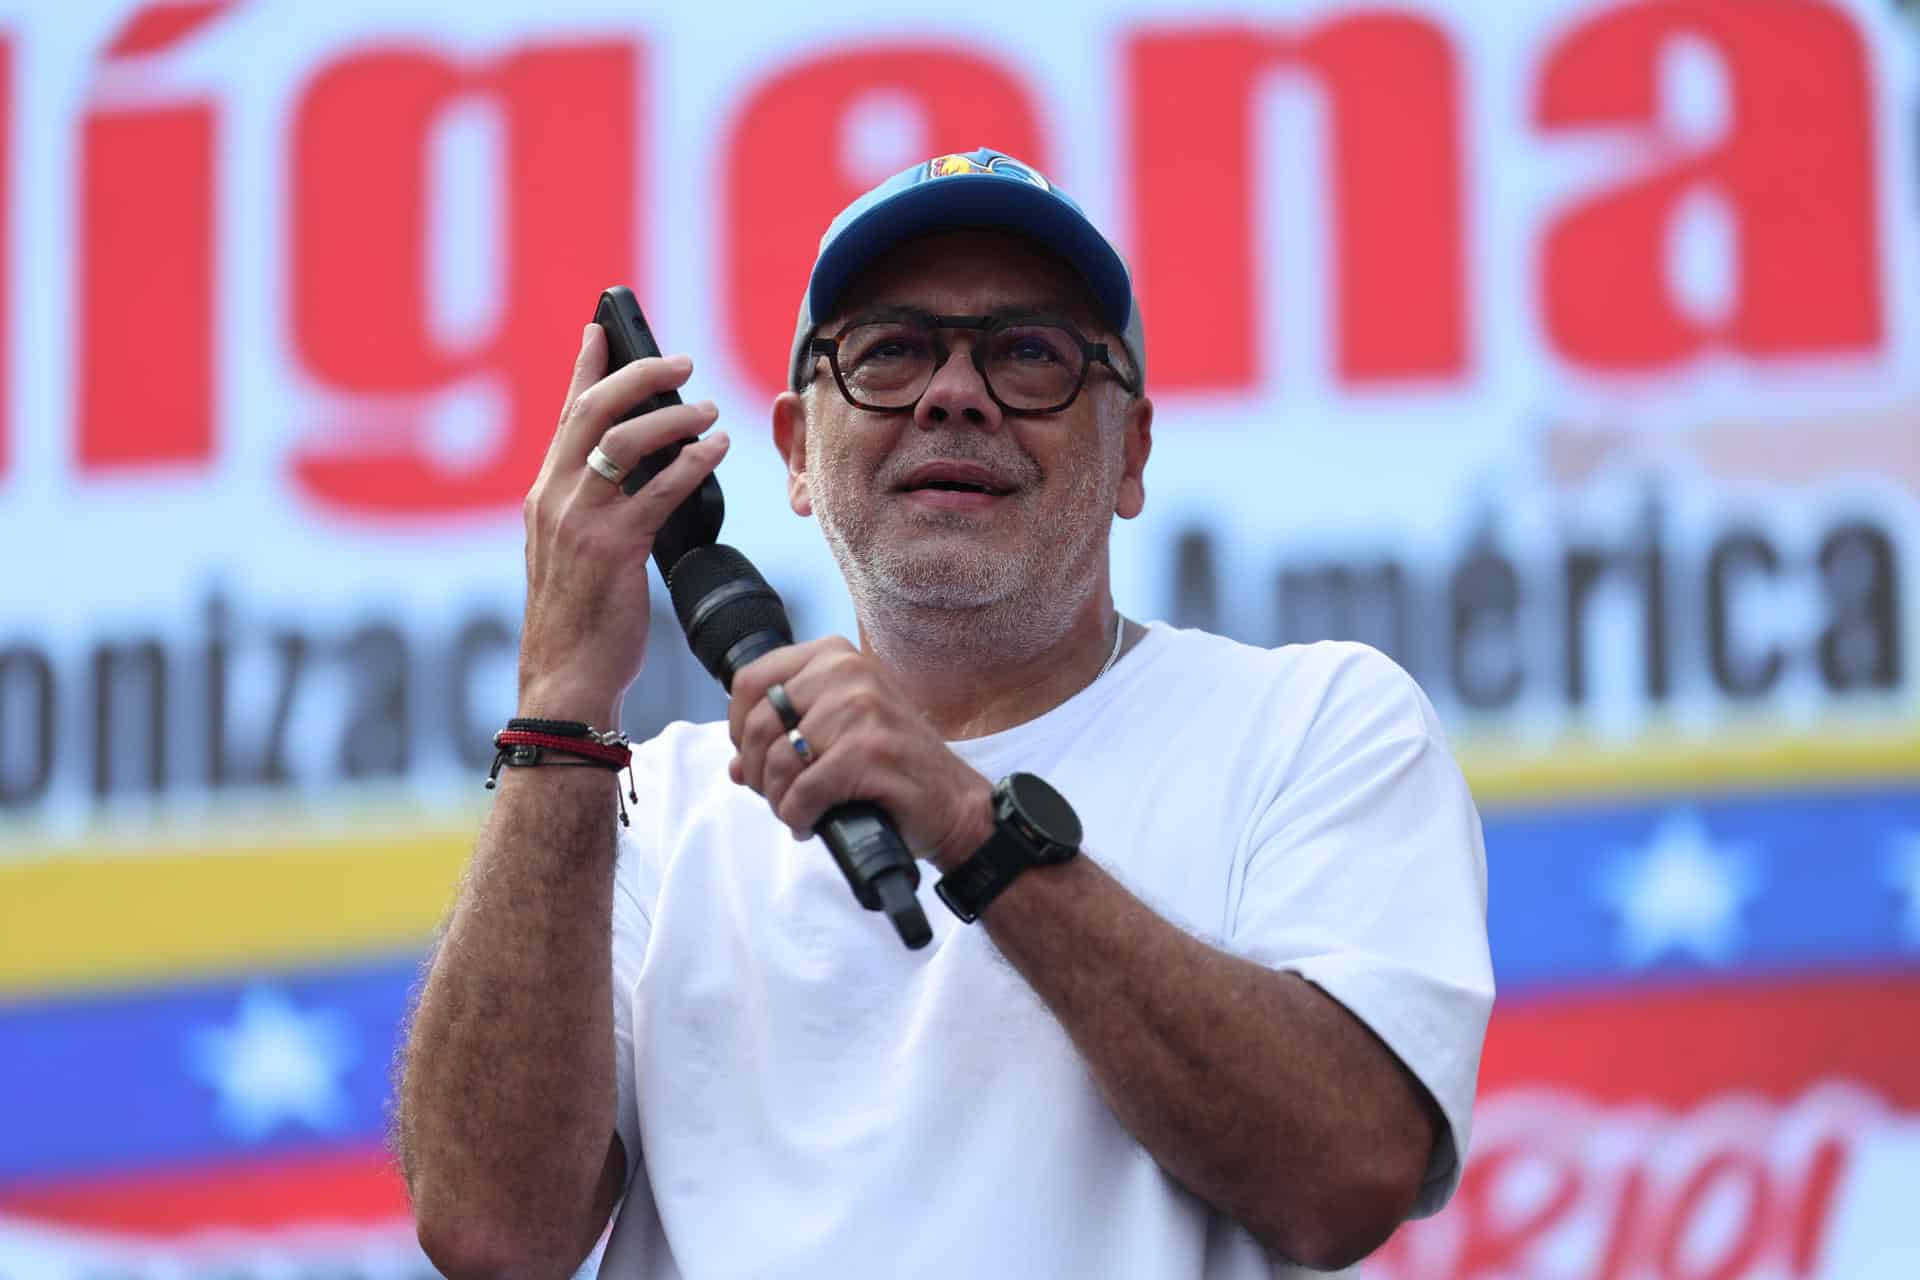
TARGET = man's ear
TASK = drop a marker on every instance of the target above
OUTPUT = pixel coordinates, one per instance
(1135, 444)
(790, 437)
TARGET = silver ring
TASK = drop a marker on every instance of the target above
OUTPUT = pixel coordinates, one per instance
(783, 705)
(606, 466)
(801, 748)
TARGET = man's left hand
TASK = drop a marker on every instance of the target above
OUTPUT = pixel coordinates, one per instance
(868, 741)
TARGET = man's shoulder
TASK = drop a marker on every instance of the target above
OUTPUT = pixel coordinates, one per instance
(1328, 690)
(1346, 667)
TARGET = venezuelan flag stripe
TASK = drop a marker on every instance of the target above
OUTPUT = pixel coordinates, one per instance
(1810, 874)
(163, 1077)
(1654, 766)
(1685, 1045)
(354, 1186)
(1680, 1047)
(88, 918)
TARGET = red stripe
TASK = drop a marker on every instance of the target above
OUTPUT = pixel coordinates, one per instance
(354, 1188)
(1683, 1046)
(158, 25)
(1676, 1048)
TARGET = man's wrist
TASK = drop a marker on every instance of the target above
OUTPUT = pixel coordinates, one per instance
(973, 828)
(543, 700)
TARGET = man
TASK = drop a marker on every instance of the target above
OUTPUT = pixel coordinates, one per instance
(1231, 1031)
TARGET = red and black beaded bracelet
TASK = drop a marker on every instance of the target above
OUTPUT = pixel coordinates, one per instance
(528, 742)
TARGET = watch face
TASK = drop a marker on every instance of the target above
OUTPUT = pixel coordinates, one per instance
(1045, 814)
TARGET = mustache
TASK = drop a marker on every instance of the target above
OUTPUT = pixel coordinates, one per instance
(1015, 467)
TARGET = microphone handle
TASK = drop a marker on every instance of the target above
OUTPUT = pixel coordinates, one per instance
(877, 865)
(865, 844)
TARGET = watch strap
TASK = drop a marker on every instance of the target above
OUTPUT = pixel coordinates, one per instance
(969, 887)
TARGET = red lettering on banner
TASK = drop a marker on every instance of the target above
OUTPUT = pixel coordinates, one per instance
(1726, 1153)
(360, 243)
(1795, 165)
(1815, 1207)
(1742, 1249)
(1558, 1188)
(7, 195)
(1492, 1247)
(787, 177)
(144, 314)
(160, 26)
(1623, 1227)
(1400, 299)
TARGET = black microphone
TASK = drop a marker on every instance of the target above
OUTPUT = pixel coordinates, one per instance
(731, 616)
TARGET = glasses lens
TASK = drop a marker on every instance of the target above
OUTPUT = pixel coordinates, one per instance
(886, 363)
(1034, 366)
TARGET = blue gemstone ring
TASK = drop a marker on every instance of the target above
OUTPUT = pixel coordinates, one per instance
(798, 742)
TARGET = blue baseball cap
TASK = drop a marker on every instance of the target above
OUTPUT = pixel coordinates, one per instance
(983, 188)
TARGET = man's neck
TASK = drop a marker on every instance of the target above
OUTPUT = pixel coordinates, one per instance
(973, 676)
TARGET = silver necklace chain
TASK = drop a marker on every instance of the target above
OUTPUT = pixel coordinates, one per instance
(1119, 634)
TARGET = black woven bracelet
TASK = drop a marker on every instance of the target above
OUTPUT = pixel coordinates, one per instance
(558, 728)
(594, 751)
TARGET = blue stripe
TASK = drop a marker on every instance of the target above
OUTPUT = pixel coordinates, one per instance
(1822, 897)
(101, 1083)
(109, 1081)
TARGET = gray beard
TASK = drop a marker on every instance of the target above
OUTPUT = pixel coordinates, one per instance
(1010, 605)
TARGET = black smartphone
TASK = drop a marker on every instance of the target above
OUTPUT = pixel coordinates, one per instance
(696, 521)
(629, 339)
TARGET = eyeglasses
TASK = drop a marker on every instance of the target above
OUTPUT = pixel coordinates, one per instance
(1030, 365)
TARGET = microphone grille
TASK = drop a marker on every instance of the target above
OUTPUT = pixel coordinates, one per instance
(721, 599)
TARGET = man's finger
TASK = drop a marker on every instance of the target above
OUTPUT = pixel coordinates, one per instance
(602, 403)
(751, 682)
(760, 732)
(786, 665)
(627, 443)
(645, 511)
(588, 366)
(821, 724)
(817, 788)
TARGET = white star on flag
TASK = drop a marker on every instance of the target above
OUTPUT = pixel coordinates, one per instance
(1903, 869)
(1680, 892)
(275, 1065)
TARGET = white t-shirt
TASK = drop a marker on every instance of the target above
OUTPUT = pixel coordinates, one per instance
(802, 1096)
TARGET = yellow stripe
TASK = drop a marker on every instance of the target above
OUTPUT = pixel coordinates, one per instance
(1574, 772)
(87, 918)
(82, 917)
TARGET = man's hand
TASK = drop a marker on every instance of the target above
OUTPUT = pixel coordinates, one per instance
(587, 542)
(869, 743)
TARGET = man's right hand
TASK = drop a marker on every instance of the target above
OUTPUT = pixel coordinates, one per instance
(585, 632)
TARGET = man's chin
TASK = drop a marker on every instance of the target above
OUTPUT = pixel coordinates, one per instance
(928, 558)
(935, 578)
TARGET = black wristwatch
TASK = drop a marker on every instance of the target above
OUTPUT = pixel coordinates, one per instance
(1033, 826)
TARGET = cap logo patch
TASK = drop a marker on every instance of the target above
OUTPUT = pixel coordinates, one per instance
(948, 166)
(1003, 166)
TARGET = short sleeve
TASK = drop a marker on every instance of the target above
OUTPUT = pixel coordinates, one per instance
(1366, 875)
(631, 929)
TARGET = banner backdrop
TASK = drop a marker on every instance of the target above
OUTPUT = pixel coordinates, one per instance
(1568, 352)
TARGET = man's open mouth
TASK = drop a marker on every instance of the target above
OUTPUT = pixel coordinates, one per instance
(955, 477)
(957, 486)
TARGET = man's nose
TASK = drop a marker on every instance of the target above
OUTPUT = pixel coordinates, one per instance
(957, 392)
